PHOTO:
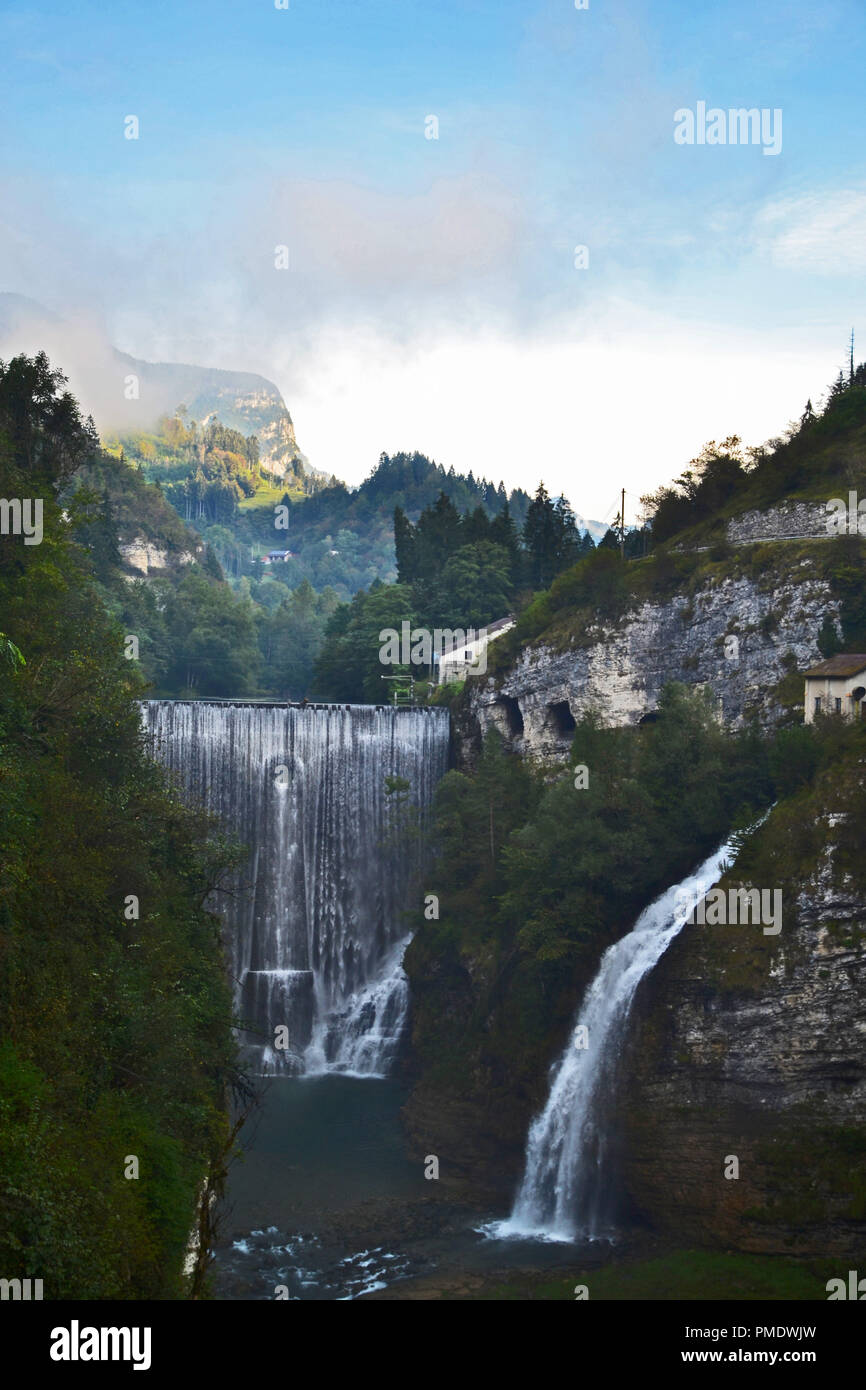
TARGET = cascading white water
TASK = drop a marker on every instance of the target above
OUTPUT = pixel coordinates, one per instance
(314, 923)
(564, 1186)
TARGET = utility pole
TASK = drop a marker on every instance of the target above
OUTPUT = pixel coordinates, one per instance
(851, 359)
(622, 527)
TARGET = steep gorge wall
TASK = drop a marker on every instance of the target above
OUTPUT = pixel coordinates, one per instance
(751, 1046)
(624, 669)
(741, 1045)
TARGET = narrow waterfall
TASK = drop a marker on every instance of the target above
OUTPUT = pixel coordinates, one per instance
(314, 923)
(565, 1181)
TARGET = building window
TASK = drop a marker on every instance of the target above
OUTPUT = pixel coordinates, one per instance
(817, 704)
(467, 656)
(838, 705)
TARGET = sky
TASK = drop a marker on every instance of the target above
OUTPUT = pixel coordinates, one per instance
(431, 167)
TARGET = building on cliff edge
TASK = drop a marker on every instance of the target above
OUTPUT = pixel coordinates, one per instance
(837, 686)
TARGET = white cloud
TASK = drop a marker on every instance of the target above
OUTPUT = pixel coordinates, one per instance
(822, 233)
(622, 398)
(414, 321)
(626, 403)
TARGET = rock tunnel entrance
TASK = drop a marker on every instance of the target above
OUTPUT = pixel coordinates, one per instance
(561, 718)
(513, 718)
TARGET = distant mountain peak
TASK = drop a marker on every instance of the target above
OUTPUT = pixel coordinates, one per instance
(243, 401)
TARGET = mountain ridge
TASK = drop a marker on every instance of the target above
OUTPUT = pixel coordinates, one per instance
(245, 401)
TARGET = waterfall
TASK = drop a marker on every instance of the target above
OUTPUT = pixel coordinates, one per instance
(562, 1193)
(314, 921)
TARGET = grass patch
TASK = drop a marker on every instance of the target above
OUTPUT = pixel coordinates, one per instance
(269, 497)
(683, 1275)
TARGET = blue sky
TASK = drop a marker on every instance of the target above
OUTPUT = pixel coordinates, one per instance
(432, 299)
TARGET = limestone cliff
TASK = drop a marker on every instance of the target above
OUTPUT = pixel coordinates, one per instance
(125, 393)
(141, 557)
(742, 1045)
(240, 400)
(738, 627)
(787, 521)
(751, 1047)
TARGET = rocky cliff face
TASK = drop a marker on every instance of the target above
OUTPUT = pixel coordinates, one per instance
(743, 1046)
(126, 393)
(142, 556)
(278, 447)
(736, 636)
(791, 519)
(751, 1047)
(240, 400)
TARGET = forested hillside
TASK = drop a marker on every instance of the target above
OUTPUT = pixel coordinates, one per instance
(818, 453)
(686, 543)
(117, 1057)
(535, 878)
(161, 515)
(547, 857)
(460, 550)
(338, 537)
(453, 572)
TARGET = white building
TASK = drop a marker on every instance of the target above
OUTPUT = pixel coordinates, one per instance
(837, 686)
(462, 658)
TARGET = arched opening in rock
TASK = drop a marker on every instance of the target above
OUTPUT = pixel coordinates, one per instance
(650, 717)
(513, 716)
(562, 718)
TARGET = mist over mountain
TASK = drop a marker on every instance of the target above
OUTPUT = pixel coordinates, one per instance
(124, 393)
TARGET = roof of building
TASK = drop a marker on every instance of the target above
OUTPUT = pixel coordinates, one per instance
(491, 630)
(846, 664)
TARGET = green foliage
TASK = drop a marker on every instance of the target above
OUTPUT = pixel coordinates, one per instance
(291, 638)
(657, 798)
(706, 485)
(424, 548)
(107, 499)
(550, 537)
(460, 572)
(474, 819)
(348, 666)
(475, 588)
(116, 1029)
(828, 639)
(848, 585)
(536, 876)
(818, 457)
(463, 569)
(206, 470)
(11, 655)
(193, 633)
(536, 616)
(340, 537)
(44, 437)
(212, 637)
(597, 583)
(678, 1276)
(596, 588)
(819, 772)
(794, 758)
